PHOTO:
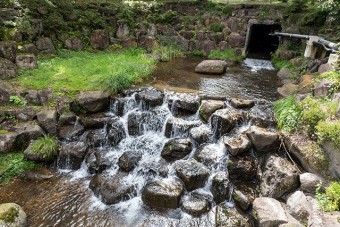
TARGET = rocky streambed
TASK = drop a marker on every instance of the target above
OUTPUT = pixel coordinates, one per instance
(154, 158)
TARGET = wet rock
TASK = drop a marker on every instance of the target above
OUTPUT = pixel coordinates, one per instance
(288, 89)
(8, 69)
(68, 118)
(224, 120)
(237, 145)
(196, 207)
(200, 134)
(262, 139)
(97, 138)
(118, 106)
(129, 160)
(323, 88)
(37, 97)
(220, 187)
(241, 103)
(176, 149)
(177, 127)
(135, 123)
(269, 212)
(100, 39)
(310, 156)
(71, 155)
(116, 133)
(162, 194)
(192, 173)
(306, 84)
(111, 189)
(211, 67)
(19, 137)
(74, 44)
(226, 217)
(299, 207)
(91, 102)
(209, 154)
(43, 155)
(242, 168)
(8, 50)
(38, 175)
(309, 182)
(71, 132)
(208, 107)
(5, 91)
(184, 103)
(96, 121)
(325, 68)
(151, 97)
(12, 215)
(279, 177)
(241, 200)
(262, 116)
(45, 45)
(24, 114)
(47, 119)
(26, 61)
(97, 162)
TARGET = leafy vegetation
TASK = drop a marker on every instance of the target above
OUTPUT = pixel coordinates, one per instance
(333, 76)
(13, 164)
(78, 71)
(228, 54)
(16, 100)
(329, 131)
(216, 27)
(330, 199)
(10, 215)
(280, 63)
(46, 146)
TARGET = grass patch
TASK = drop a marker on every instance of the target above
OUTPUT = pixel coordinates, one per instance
(228, 54)
(280, 63)
(216, 27)
(329, 131)
(79, 71)
(46, 146)
(330, 199)
(13, 164)
(167, 52)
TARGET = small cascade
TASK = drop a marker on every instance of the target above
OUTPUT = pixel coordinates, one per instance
(258, 64)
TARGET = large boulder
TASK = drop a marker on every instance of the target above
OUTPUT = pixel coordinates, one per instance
(91, 102)
(175, 149)
(208, 107)
(237, 145)
(322, 219)
(97, 162)
(332, 150)
(306, 84)
(200, 134)
(162, 194)
(136, 122)
(71, 155)
(241, 200)
(70, 132)
(45, 45)
(211, 67)
(5, 91)
(184, 103)
(325, 68)
(323, 88)
(37, 97)
(309, 182)
(284, 73)
(129, 160)
(210, 155)
(196, 206)
(12, 215)
(288, 89)
(96, 138)
(263, 139)
(242, 103)
(96, 121)
(207, 46)
(47, 119)
(151, 97)
(24, 114)
(26, 61)
(74, 44)
(242, 168)
(220, 187)
(224, 120)
(111, 189)
(299, 207)
(262, 115)
(236, 40)
(269, 212)
(8, 50)
(226, 216)
(192, 173)
(44, 154)
(279, 177)
(8, 69)
(177, 127)
(123, 30)
(116, 133)
(100, 39)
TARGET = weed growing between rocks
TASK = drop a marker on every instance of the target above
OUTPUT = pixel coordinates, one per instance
(228, 54)
(79, 71)
(46, 146)
(13, 164)
(330, 199)
(287, 113)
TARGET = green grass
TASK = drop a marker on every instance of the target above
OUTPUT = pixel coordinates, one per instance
(13, 164)
(329, 131)
(330, 199)
(47, 146)
(80, 71)
(228, 54)
(280, 63)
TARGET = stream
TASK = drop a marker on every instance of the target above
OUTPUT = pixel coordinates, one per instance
(67, 200)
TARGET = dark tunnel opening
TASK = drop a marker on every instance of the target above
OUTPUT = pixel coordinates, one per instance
(260, 44)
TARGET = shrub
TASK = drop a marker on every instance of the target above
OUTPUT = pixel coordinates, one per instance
(46, 146)
(16, 100)
(13, 164)
(216, 27)
(280, 63)
(228, 54)
(329, 130)
(330, 200)
(287, 113)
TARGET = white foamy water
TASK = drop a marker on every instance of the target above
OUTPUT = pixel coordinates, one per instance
(258, 64)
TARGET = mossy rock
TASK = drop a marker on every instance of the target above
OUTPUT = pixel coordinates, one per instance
(12, 215)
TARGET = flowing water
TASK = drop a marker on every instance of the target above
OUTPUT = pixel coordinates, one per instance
(66, 200)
